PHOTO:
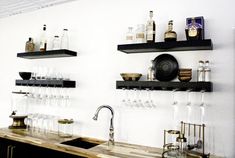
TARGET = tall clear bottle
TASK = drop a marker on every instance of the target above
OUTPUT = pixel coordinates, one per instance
(150, 74)
(200, 72)
(150, 29)
(64, 40)
(207, 72)
(43, 39)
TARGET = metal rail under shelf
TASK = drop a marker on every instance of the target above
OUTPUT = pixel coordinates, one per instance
(191, 45)
(168, 86)
(47, 83)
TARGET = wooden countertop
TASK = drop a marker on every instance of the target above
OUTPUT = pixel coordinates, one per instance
(53, 141)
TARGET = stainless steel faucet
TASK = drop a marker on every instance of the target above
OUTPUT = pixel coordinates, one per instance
(111, 129)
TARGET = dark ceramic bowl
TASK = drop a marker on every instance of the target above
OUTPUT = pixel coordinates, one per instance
(25, 75)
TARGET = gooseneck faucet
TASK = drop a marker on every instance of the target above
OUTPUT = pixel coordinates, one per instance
(111, 129)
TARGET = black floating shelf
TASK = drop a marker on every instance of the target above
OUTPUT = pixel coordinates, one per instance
(47, 83)
(155, 85)
(47, 54)
(167, 46)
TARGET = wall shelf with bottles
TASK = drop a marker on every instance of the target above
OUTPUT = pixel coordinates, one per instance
(47, 54)
(191, 45)
(155, 85)
(47, 83)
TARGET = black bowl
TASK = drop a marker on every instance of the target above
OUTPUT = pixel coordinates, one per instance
(25, 75)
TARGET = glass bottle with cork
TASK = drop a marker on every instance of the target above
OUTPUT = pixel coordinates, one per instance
(56, 43)
(140, 34)
(170, 35)
(151, 71)
(43, 40)
(129, 35)
(30, 46)
(150, 29)
(64, 40)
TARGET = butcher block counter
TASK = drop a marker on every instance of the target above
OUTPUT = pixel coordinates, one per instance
(39, 144)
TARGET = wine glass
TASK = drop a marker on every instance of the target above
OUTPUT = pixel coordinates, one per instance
(135, 98)
(202, 107)
(175, 107)
(147, 101)
(188, 105)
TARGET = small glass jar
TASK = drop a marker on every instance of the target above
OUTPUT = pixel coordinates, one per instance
(65, 40)
(65, 128)
(140, 33)
(130, 35)
(56, 43)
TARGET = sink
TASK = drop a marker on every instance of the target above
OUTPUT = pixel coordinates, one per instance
(81, 143)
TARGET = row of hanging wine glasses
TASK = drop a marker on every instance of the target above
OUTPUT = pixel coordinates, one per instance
(137, 98)
(48, 96)
(145, 98)
(189, 106)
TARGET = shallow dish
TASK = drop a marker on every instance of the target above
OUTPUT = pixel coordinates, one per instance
(131, 76)
(166, 67)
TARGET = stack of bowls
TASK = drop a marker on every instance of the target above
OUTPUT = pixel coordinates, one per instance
(185, 75)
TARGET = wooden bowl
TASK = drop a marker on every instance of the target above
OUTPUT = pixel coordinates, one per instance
(131, 76)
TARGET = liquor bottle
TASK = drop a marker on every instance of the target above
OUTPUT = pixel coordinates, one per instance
(43, 39)
(170, 35)
(150, 74)
(193, 30)
(29, 46)
(200, 72)
(207, 72)
(150, 29)
(64, 40)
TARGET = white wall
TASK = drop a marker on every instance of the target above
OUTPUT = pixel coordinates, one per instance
(96, 28)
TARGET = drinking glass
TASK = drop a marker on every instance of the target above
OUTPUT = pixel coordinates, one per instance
(188, 104)
(147, 97)
(135, 98)
(175, 108)
(202, 107)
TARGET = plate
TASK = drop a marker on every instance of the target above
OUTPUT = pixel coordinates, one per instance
(166, 67)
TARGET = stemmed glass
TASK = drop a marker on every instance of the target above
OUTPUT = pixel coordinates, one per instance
(188, 104)
(147, 100)
(135, 99)
(175, 108)
(202, 106)
(153, 105)
(139, 92)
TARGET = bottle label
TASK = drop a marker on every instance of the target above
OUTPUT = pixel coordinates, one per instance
(129, 38)
(150, 32)
(192, 32)
(140, 35)
(170, 35)
(43, 46)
